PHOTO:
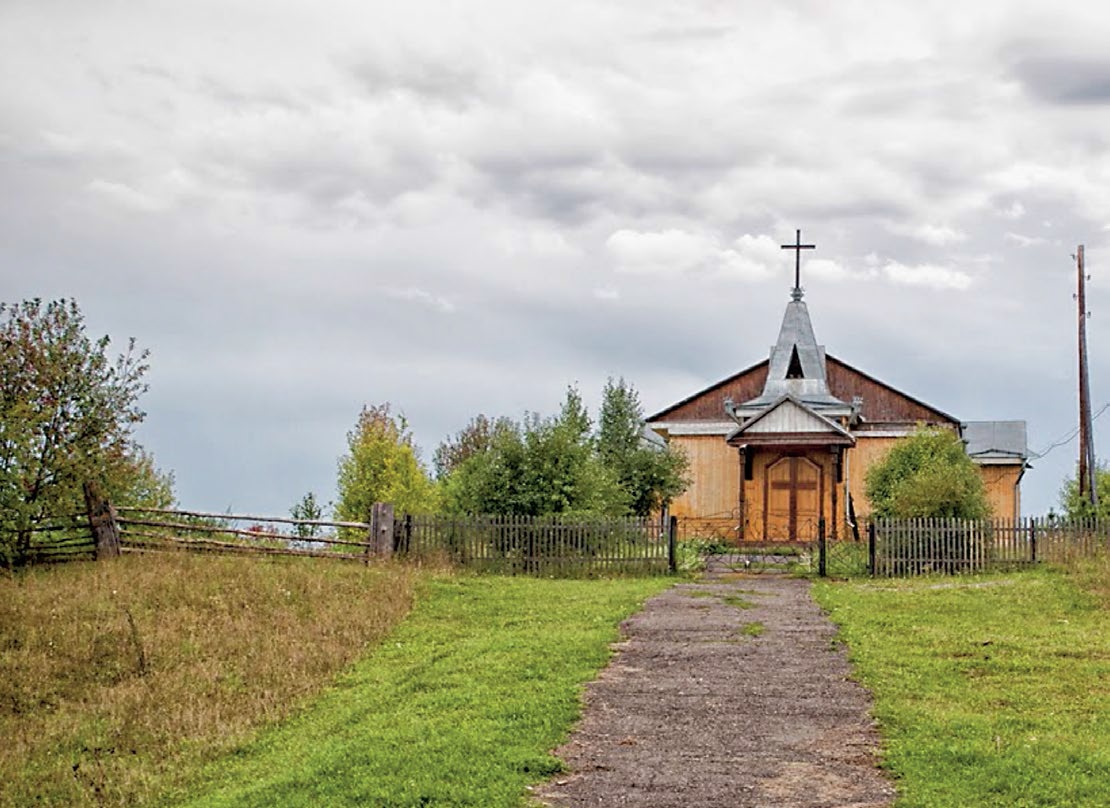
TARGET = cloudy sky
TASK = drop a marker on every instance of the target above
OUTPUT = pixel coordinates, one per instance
(465, 207)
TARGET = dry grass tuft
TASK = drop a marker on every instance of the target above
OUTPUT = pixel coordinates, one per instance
(114, 676)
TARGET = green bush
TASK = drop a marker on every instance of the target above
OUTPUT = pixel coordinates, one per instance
(927, 475)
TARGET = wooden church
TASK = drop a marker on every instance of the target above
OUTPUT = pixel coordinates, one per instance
(788, 441)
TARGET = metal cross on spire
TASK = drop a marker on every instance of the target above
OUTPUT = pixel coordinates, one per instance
(797, 246)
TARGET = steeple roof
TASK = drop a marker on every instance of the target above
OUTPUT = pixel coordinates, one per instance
(797, 365)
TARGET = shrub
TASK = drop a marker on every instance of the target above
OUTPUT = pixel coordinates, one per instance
(927, 474)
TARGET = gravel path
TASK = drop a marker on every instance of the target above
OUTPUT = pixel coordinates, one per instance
(726, 692)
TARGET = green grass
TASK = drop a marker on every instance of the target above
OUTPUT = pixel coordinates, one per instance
(753, 629)
(459, 706)
(989, 690)
(737, 602)
(119, 677)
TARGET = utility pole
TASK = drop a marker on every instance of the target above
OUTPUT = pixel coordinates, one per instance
(1088, 471)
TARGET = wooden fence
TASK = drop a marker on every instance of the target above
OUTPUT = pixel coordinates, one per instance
(905, 547)
(54, 539)
(151, 529)
(541, 545)
(550, 546)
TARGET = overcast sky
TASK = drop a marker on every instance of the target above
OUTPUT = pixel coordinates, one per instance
(458, 208)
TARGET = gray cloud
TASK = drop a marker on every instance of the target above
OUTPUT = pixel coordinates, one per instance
(301, 213)
(1065, 79)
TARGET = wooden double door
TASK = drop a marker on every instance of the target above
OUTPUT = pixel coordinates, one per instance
(792, 497)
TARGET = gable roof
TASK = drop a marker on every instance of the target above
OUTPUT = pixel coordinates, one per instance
(790, 415)
(882, 403)
(750, 378)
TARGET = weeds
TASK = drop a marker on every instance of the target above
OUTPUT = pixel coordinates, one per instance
(116, 676)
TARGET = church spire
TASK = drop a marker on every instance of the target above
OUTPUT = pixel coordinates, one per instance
(797, 364)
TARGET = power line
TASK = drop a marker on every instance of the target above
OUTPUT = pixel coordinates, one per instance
(1066, 439)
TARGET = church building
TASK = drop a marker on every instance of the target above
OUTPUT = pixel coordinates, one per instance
(788, 441)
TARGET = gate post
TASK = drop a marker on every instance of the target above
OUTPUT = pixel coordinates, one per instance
(672, 544)
(102, 521)
(381, 531)
(871, 548)
(822, 550)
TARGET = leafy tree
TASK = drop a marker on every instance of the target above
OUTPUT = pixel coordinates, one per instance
(537, 467)
(381, 465)
(134, 479)
(67, 415)
(651, 475)
(927, 474)
(573, 418)
(1077, 507)
(475, 438)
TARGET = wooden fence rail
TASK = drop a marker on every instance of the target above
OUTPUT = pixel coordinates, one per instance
(61, 538)
(902, 547)
(145, 530)
(552, 546)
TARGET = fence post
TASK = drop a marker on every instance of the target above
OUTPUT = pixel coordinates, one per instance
(871, 548)
(403, 543)
(672, 544)
(1033, 540)
(102, 520)
(822, 550)
(381, 531)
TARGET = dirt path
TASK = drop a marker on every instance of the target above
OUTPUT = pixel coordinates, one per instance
(700, 709)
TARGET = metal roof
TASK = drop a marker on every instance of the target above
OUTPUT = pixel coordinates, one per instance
(996, 441)
(803, 421)
(796, 338)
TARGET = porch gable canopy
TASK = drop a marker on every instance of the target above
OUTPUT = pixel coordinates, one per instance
(789, 422)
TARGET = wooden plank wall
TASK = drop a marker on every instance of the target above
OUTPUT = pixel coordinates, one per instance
(715, 475)
(1002, 492)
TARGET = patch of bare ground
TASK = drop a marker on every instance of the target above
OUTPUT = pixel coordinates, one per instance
(726, 692)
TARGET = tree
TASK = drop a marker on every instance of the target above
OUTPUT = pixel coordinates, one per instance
(651, 475)
(537, 467)
(381, 465)
(927, 474)
(67, 415)
(475, 438)
(1079, 507)
(307, 509)
(134, 479)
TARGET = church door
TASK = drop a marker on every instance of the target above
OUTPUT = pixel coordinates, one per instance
(792, 500)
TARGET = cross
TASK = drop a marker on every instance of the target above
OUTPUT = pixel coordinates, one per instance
(797, 246)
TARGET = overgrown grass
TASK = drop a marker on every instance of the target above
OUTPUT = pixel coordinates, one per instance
(989, 690)
(117, 677)
(458, 707)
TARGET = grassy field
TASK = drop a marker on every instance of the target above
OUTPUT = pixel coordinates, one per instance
(459, 706)
(118, 678)
(991, 690)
